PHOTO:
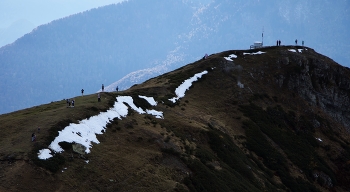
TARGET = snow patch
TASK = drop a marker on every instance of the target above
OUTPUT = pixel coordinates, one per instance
(255, 53)
(319, 139)
(44, 154)
(230, 57)
(180, 91)
(149, 99)
(86, 130)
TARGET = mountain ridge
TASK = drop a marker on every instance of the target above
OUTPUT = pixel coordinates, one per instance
(250, 124)
(56, 60)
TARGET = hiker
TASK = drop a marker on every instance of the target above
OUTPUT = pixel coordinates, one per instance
(33, 137)
(82, 92)
(68, 102)
(103, 87)
(302, 42)
(205, 56)
(279, 42)
(296, 42)
(72, 102)
(98, 97)
(117, 89)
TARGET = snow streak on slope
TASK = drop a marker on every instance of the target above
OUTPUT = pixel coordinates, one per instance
(85, 131)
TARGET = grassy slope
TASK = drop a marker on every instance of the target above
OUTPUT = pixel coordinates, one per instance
(210, 140)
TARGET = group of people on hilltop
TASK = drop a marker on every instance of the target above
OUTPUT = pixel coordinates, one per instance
(296, 42)
(70, 102)
(278, 42)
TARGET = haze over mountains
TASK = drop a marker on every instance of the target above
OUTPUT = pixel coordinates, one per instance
(103, 45)
(19, 17)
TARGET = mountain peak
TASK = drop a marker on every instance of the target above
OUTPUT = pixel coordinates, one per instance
(264, 119)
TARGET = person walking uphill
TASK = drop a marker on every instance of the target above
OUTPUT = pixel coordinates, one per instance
(33, 137)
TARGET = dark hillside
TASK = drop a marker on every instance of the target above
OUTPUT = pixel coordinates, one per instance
(274, 121)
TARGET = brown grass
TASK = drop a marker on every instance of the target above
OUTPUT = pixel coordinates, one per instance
(142, 153)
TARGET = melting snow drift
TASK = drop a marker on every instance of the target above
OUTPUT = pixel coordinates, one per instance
(86, 130)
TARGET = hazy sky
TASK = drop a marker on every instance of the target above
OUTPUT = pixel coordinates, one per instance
(39, 12)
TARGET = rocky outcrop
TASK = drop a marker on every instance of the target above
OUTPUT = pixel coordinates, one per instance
(323, 179)
(320, 81)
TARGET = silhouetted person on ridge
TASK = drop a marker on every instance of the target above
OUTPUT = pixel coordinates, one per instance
(82, 92)
(117, 89)
(205, 56)
(296, 42)
(302, 42)
(103, 87)
(279, 42)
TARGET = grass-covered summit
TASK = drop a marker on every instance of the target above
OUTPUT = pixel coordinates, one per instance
(273, 119)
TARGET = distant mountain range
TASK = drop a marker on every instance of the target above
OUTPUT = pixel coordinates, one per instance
(15, 30)
(127, 43)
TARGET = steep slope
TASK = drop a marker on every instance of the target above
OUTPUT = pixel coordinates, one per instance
(258, 120)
